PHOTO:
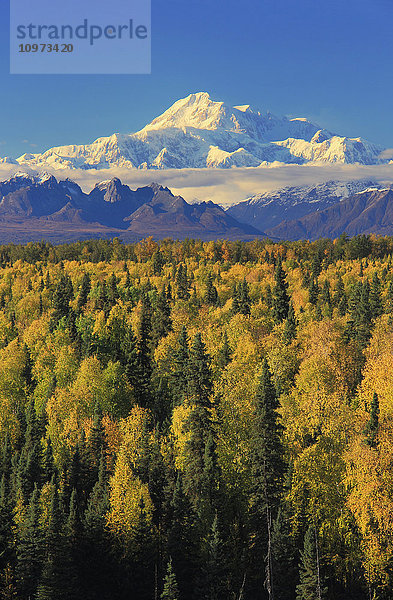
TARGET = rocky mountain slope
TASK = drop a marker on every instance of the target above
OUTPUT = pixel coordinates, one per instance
(42, 207)
(370, 211)
(267, 210)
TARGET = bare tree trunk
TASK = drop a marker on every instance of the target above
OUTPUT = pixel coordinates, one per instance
(241, 593)
(269, 558)
(369, 585)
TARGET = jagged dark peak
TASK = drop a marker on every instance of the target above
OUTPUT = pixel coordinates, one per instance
(107, 183)
(157, 187)
(110, 190)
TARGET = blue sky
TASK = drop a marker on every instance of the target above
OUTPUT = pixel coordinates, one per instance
(328, 60)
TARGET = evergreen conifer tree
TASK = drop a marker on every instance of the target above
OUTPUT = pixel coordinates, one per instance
(269, 296)
(359, 323)
(102, 300)
(62, 296)
(29, 550)
(158, 262)
(211, 296)
(280, 293)
(225, 353)
(145, 363)
(95, 447)
(58, 579)
(28, 370)
(143, 555)
(268, 468)
(210, 480)
(198, 422)
(182, 282)
(113, 292)
(29, 468)
(129, 356)
(84, 291)
(199, 372)
(284, 556)
(375, 297)
(171, 589)
(389, 299)
(6, 521)
(235, 299)
(311, 585)
(290, 326)
(214, 569)
(6, 457)
(244, 298)
(326, 298)
(182, 540)
(161, 320)
(340, 291)
(180, 378)
(96, 562)
(128, 279)
(313, 291)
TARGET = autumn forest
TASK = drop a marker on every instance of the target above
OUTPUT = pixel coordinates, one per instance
(189, 420)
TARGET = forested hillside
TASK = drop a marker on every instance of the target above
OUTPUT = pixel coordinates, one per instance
(197, 420)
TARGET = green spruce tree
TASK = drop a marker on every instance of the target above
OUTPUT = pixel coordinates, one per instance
(84, 291)
(290, 326)
(199, 373)
(171, 589)
(280, 293)
(376, 308)
(211, 295)
(29, 550)
(244, 298)
(267, 467)
(311, 584)
(224, 354)
(181, 358)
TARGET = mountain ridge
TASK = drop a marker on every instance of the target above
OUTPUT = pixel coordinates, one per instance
(269, 209)
(42, 207)
(364, 213)
(110, 209)
(198, 132)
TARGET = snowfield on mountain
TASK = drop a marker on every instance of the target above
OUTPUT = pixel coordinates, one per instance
(198, 132)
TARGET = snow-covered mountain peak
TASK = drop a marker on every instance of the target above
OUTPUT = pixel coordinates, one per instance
(198, 111)
(244, 108)
(19, 175)
(321, 136)
(40, 178)
(268, 209)
(103, 185)
(303, 119)
(199, 115)
(199, 132)
(44, 177)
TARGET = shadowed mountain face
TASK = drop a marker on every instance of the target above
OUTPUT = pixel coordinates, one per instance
(35, 197)
(35, 208)
(367, 212)
(61, 210)
(267, 210)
